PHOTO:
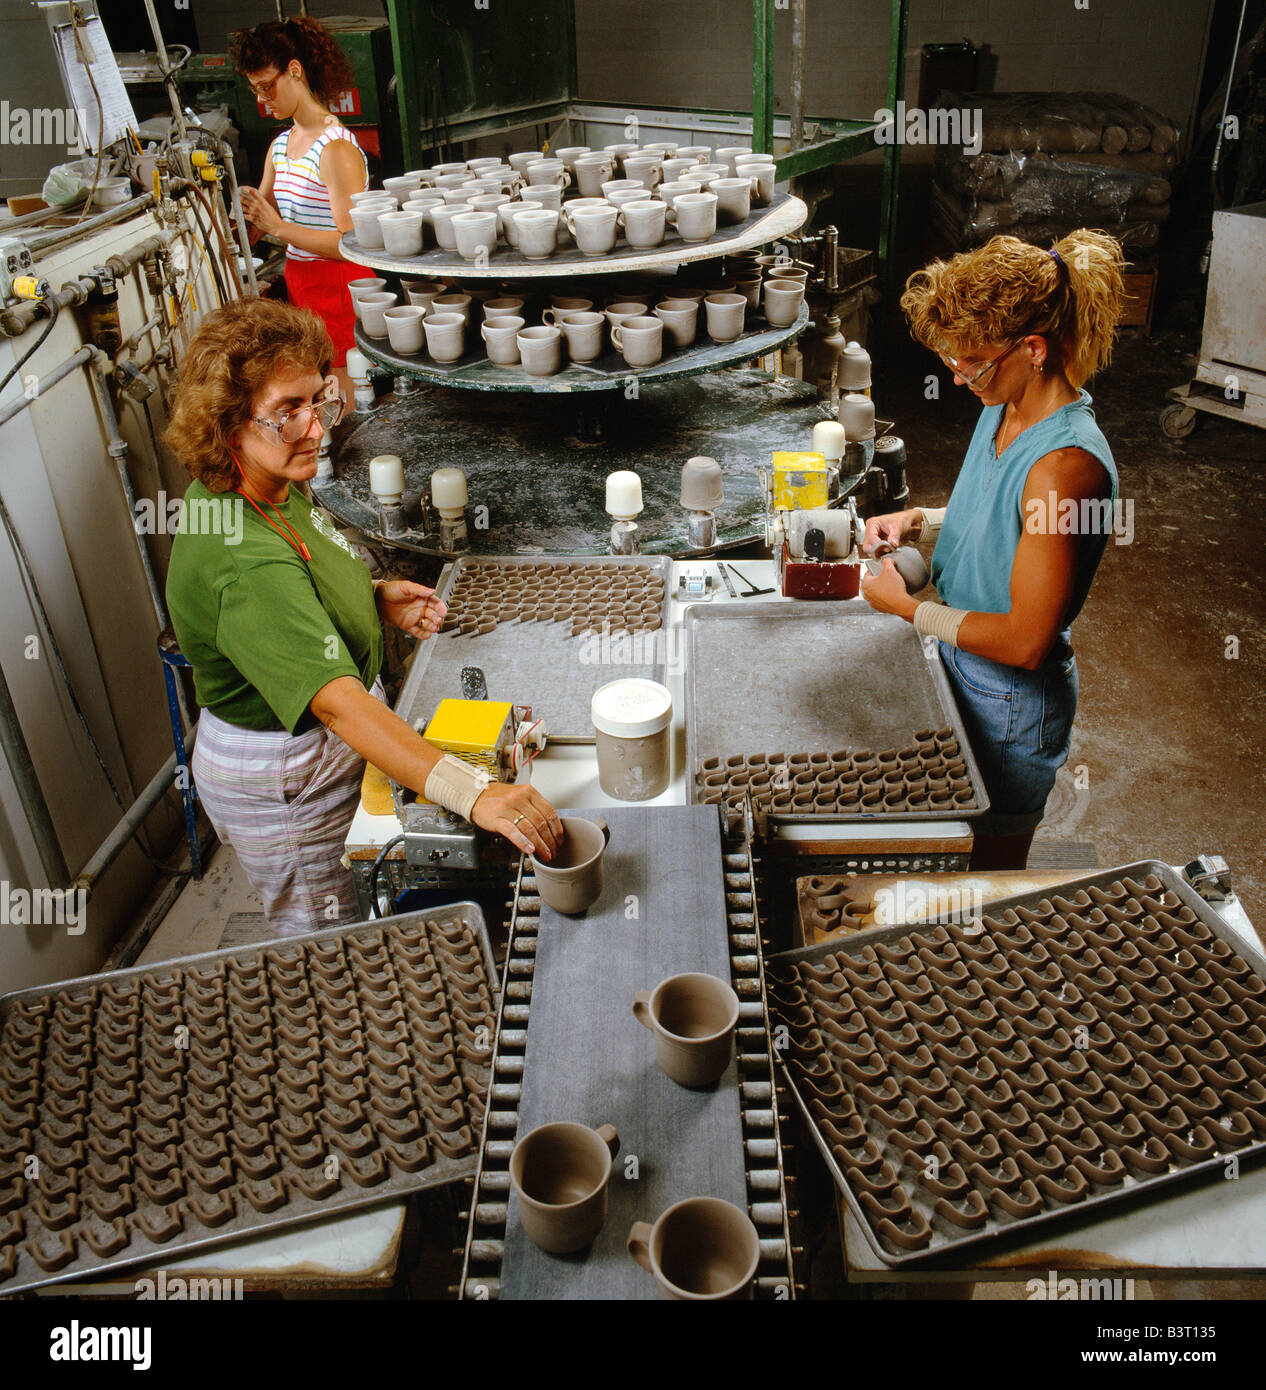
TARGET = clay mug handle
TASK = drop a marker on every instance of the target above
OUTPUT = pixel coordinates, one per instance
(606, 832)
(671, 217)
(642, 1009)
(549, 317)
(610, 1137)
(639, 1244)
(483, 331)
(618, 343)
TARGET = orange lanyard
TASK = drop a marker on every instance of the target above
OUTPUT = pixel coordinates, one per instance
(292, 539)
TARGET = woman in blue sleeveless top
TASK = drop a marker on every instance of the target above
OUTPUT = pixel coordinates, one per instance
(1031, 511)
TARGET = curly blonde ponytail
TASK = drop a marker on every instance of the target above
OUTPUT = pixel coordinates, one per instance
(1093, 263)
(1072, 295)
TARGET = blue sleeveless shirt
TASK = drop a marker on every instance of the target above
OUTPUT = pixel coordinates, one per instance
(971, 565)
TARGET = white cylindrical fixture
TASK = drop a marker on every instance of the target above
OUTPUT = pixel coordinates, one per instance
(448, 492)
(386, 476)
(828, 440)
(857, 415)
(357, 366)
(624, 494)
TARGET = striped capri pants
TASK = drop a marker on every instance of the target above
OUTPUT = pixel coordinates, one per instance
(284, 803)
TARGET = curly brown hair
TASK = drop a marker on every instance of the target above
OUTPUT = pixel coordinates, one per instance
(1073, 295)
(235, 353)
(276, 43)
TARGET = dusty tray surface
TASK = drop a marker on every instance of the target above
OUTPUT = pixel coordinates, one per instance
(588, 1059)
(794, 677)
(523, 622)
(203, 1100)
(1075, 1047)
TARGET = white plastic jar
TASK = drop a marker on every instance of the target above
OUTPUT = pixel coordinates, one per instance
(631, 720)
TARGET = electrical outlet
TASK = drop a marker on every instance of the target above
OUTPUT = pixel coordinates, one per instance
(15, 260)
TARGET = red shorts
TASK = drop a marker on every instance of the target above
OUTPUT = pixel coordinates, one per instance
(322, 287)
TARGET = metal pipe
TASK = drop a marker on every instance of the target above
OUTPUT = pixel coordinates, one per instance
(243, 235)
(169, 82)
(116, 841)
(30, 793)
(59, 373)
(135, 340)
(118, 451)
(797, 73)
(14, 322)
(80, 229)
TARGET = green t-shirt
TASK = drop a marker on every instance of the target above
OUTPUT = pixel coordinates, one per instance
(264, 630)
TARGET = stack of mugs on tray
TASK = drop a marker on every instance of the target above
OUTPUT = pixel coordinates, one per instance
(535, 205)
(542, 329)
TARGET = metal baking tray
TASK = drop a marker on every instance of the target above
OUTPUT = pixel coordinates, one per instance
(299, 1208)
(796, 675)
(535, 664)
(1021, 1229)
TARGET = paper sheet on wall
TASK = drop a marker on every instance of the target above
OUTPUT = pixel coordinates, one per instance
(116, 117)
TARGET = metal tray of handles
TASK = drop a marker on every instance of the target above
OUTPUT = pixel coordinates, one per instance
(1158, 1135)
(364, 1023)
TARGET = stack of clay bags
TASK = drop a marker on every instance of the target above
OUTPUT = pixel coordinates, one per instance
(1051, 162)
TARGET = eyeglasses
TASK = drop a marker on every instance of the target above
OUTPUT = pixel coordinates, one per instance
(292, 426)
(265, 92)
(984, 371)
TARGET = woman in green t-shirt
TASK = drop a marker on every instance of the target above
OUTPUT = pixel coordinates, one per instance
(280, 621)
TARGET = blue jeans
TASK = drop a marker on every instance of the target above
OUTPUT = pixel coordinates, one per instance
(1019, 724)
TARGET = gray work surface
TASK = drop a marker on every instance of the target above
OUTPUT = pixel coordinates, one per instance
(796, 677)
(589, 1060)
(536, 664)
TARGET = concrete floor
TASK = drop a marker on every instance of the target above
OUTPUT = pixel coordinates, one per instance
(1171, 731)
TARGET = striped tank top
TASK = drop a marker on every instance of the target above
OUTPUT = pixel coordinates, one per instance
(302, 197)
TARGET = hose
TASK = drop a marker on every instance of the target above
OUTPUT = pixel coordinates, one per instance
(373, 877)
(34, 348)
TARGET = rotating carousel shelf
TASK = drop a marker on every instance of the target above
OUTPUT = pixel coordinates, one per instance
(537, 488)
(609, 372)
(784, 215)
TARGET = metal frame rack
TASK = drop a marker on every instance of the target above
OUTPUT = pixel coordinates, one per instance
(459, 79)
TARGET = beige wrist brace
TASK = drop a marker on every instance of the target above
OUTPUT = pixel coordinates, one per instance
(455, 785)
(932, 519)
(939, 620)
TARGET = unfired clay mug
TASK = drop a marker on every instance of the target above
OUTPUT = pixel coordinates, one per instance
(560, 1173)
(695, 215)
(693, 1018)
(643, 222)
(445, 336)
(639, 339)
(584, 331)
(702, 1248)
(573, 879)
(782, 301)
(681, 320)
(593, 230)
(501, 337)
(725, 316)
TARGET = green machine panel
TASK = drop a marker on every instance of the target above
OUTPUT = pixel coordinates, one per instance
(466, 69)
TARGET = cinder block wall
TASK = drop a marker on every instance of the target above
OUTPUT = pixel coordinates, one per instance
(699, 52)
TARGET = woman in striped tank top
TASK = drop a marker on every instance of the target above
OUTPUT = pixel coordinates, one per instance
(304, 197)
